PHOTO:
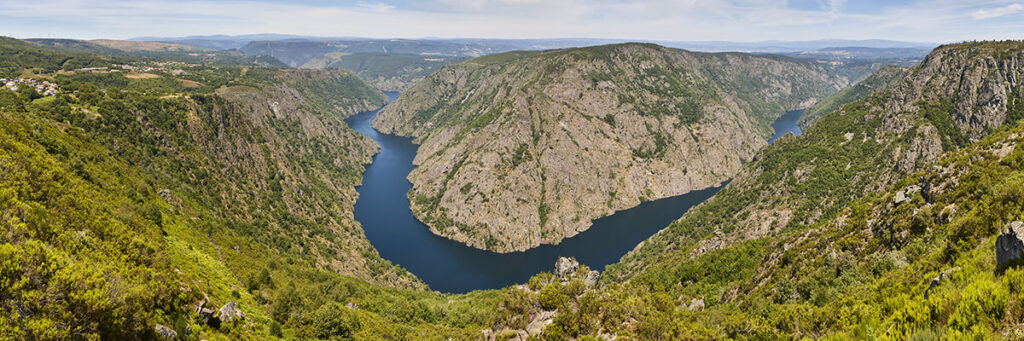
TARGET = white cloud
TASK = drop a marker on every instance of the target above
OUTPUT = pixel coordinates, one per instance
(738, 20)
(988, 13)
(377, 6)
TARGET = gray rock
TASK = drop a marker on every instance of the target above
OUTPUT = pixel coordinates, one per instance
(565, 267)
(539, 322)
(165, 332)
(590, 279)
(905, 195)
(1009, 247)
(566, 270)
(230, 312)
(696, 304)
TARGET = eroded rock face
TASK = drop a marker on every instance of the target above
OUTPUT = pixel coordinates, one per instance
(528, 151)
(1009, 246)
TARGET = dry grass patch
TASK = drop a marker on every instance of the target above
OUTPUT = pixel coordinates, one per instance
(140, 75)
(190, 84)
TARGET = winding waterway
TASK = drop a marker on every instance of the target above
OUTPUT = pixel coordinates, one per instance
(449, 266)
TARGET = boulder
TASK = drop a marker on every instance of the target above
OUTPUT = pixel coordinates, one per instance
(565, 267)
(1009, 246)
(165, 332)
(230, 312)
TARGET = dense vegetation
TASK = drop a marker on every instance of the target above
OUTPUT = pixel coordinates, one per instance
(17, 55)
(877, 81)
(125, 202)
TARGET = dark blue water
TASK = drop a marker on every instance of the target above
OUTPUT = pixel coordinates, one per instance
(787, 124)
(449, 266)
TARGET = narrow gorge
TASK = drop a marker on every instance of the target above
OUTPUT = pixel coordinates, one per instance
(383, 210)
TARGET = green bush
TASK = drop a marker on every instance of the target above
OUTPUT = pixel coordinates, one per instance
(553, 296)
(333, 320)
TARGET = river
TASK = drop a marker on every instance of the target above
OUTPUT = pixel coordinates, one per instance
(449, 266)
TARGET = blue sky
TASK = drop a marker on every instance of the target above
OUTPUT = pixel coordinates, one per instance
(734, 20)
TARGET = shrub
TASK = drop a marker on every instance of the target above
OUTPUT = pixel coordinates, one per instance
(332, 320)
(982, 303)
(553, 296)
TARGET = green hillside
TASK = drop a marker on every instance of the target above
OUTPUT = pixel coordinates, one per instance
(127, 202)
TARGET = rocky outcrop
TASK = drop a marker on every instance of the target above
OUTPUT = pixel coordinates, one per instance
(1009, 246)
(165, 332)
(527, 148)
(905, 194)
(565, 266)
(567, 269)
(532, 324)
(230, 312)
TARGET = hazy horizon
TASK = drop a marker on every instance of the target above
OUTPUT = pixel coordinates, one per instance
(658, 20)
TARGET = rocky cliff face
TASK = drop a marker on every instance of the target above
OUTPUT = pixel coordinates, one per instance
(957, 95)
(290, 155)
(526, 148)
(275, 162)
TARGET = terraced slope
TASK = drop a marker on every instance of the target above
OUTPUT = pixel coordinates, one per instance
(526, 148)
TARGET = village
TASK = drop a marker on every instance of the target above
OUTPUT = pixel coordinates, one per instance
(159, 66)
(45, 88)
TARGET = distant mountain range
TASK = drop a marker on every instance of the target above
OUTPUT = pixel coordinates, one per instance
(771, 46)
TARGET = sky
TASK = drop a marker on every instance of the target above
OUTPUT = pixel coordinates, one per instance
(673, 20)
